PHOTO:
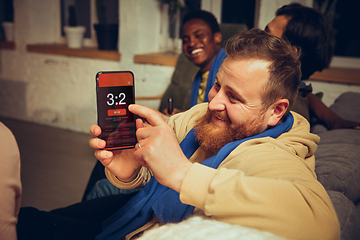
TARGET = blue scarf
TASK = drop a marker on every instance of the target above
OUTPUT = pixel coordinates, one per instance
(211, 78)
(165, 202)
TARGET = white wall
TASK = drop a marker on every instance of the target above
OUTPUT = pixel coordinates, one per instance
(60, 91)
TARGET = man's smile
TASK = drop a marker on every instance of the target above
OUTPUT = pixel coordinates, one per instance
(195, 51)
(220, 118)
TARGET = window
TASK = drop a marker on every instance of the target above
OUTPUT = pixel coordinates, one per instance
(238, 11)
(344, 16)
(75, 12)
(6, 15)
(86, 15)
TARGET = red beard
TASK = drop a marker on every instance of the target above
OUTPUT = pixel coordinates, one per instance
(212, 138)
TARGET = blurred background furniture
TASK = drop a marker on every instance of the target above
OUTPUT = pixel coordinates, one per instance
(337, 161)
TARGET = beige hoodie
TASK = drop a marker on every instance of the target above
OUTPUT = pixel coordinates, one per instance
(265, 183)
(268, 184)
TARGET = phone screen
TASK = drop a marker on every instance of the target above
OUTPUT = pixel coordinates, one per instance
(115, 92)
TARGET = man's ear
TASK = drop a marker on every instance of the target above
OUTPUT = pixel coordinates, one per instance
(277, 111)
(217, 37)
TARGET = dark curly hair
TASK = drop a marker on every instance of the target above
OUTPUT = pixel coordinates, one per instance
(208, 17)
(310, 32)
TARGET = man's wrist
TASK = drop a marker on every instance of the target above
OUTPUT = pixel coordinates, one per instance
(141, 178)
(131, 178)
(180, 176)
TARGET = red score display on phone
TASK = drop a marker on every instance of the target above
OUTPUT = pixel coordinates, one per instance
(116, 112)
(113, 79)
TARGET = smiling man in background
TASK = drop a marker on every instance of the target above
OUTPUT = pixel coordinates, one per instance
(201, 38)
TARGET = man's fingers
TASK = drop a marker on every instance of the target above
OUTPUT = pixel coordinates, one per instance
(152, 116)
(103, 155)
(139, 123)
(97, 143)
(95, 130)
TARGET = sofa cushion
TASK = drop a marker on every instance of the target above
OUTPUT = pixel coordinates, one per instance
(337, 162)
(348, 215)
(338, 155)
(347, 105)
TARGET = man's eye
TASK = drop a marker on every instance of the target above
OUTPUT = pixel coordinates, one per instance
(199, 35)
(233, 98)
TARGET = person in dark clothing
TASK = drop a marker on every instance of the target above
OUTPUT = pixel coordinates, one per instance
(309, 32)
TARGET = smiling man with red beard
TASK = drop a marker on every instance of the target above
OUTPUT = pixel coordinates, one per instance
(243, 158)
(234, 110)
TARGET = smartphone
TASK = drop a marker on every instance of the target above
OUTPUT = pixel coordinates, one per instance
(115, 92)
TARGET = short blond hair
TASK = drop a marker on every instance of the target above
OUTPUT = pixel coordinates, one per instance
(284, 67)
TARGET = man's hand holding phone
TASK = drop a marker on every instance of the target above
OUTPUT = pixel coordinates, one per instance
(126, 143)
(120, 162)
(158, 149)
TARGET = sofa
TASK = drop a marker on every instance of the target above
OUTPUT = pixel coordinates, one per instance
(337, 165)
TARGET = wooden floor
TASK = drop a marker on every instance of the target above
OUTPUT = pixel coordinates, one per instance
(55, 164)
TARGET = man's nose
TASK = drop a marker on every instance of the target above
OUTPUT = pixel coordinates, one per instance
(217, 101)
(192, 41)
